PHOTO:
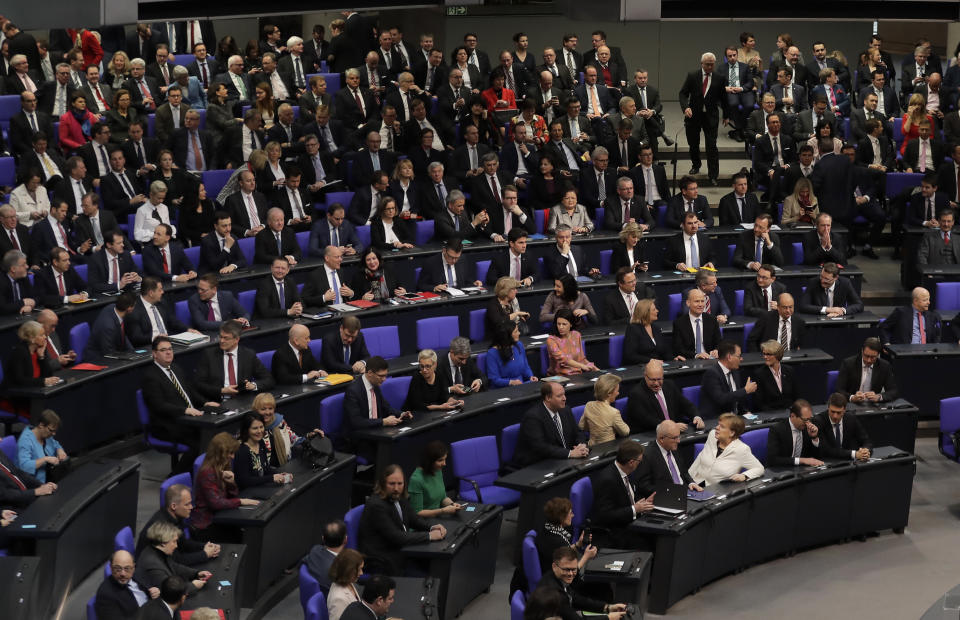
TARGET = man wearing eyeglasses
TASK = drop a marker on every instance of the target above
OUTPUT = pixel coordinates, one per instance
(722, 388)
(658, 399)
(366, 407)
(565, 569)
(796, 440)
(617, 501)
(119, 596)
(663, 464)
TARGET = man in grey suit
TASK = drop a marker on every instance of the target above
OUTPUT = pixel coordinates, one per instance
(940, 247)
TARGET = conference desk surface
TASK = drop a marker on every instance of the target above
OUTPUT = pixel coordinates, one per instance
(72, 530)
(782, 511)
(222, 590)
(465, 561)
(893, 423)
(925, 374)
(289, 520)
(19, 577)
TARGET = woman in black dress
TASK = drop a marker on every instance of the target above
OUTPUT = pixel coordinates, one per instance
(196, 215)
(428, 391)
(629, 251)
(387, 230)
(251, 466)
(546, 184)
(174, 178)
(643, 340)
(375, 282)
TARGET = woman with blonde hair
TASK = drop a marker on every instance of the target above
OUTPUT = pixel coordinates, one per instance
(272, 177)
(504, 306)
(801, 206)
(600, 418)
(724, 457)
(643, 340)
(910, 123)
(629, 252)
(279, 438)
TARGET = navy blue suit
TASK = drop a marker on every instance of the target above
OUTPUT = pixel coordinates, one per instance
(898, 328)
(178, 262)
(213, 259)
(717, 396)
(48, 292)
(106, 336)
(139, 329)
(98, 271)
(230, 308)
(320, 236)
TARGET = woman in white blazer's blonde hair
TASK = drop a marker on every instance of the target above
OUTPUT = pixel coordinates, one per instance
(724, 456)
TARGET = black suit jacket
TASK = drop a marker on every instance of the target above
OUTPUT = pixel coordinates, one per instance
(47, 291)
(357, 410)
(653, 472)
(212, 258)
(180, 142)
(430, 199)
(153, 261)
(115, 602)
(105, 335)
(286, 367)
(347, 110)
(763, 155)
(640, 348)
(780, 445)
(612, 507)
(677, 252)
(815, 297)
(9, 307)
(151, 151)
(643, 409)
(98, 272)
(209, 373)
(164, 402)
(590, 189)
(716, 397)
(265, 246)
(317, 285)
(814, 254)
(267, 303)
(434, 272)
(677, 206)
(23, 239)
(917, 209)
(852, 436)
(881, 379)
(114, 197)
(469, 372)
(753, 298)
(911, 154)
(445, 230)
(613, 213)
(767, 327)
(500, 267)
(730, 209)
(768, 396)
(709, 105)
(556, 264)
(898, 327)
(138, 327)
(539, 439)
(230, 308)
(684, 340)
(239, 218)
(136, 97)
(746, 250)
(615, 311)
(64, 192)
(47, 95)
(331, 353)
(384, 532)
(21, 133)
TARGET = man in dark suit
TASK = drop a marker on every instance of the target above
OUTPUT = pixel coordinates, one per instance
(619, 303)
(656, 398)
(865, 378)
(151, 316)
(721, 388)
(688, 200)
(326, 284)
(940, 247)
(170, 115)
(805, 123)
(364, 170)
(611, 70)
(453, 224)
(696, 334)
(333, 230)
(209, 306)
(365, 407)
(452, 104)
(823, 246)
(245, 373)
(219, 251)
(740, 91)
(51, 232)
(345, 102)
(702, 98)
(830, 295)
(690, 249)
(366, 199)
(563, 257)
(321, 557)
(164, 258)
(546, 96)
(626, 208)
(924, 153)
(877, 152)
(913, 324)
(926, 206)
(277, 297)
(346, 351)
(759, 296)
(561, 77)
(514, 262)
(796, 440)
(189, 140)
(169, 395)
(377, 595)
(205, 67)
(432, 74)
(662, 464)
(294, 364)
(142, 43)
(860, 116)
(618, 502)
(649, 108)
(459, 370)
(548, 430)
(239, 140)
(22, 78)
(27, 123)
(16, 292)
(15, 236)
(594, 96)
(275, 240)
(780, 324)
(774, 153)
(791, 96)
(139, 149)
(759, 246)
(466, 161)
(832, 180)
(317, 168)
(247, 207)
(597, 183)
(435, 189)
(445, 270)
(161, 69)
(55, 96)
(239, 85)
(173, 593)
(108, 333)
(121, 189)
(119, 597)
(841, 434)
(740, 205)
(112, 269)
(887, 102)
(144, 90)
(58, 283)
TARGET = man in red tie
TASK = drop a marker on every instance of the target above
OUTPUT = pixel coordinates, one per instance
(366, 407)
(98, 96)
(58, 283)
(56, 356)
(231, 369)
(165, 258)
(17, 487)
(913, 324)
(701, 99)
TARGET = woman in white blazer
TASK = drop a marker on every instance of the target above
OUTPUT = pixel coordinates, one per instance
(724, 455)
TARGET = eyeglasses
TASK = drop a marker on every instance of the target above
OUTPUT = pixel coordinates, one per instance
(566, 570)
(122, 569)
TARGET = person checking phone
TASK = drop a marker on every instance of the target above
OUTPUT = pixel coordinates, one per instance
(366, 407)
(428, 496)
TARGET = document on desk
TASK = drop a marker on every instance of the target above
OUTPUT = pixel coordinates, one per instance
(343, 307)
(455, 292)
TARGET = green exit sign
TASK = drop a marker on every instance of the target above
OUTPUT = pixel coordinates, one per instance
(456, 11)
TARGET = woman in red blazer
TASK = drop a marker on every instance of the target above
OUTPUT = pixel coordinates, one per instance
(76, 124)
(497, 97)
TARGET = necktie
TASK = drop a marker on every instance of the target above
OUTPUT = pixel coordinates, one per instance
(946, 239)
(300, 359)
(252, 212)
(517, 270)
(626, 483)
(16, 291)
(166, 265)
(76, 80)
(145, 93)
(241, 87)
(197, 153)
(776, 152)
(104, 160)
(643, 98)
(178, 387)
(837, 435)
(784, 341)
(451, 280)
(923, 156)
(706, 81)
(63, 236)
(16, 481)
(116, 271)
(733, 388)
(740, 205)
(336, 287)
(430, 78)
(649, 183)
(141, 161)
(28, 83)
(211, 315)
(166, 76)
(346, 355)
(865, 379)
(13, 239)
(103, 104)
(830, 297)
(509, 75)
(335, 236)
(496, 192)
(161, 328)
(930, 213)
(279, 245)
(624, 158)
(766, 299)
(473, 157)
(33, 122)
(231, 371)
(97, 234)
(127, 188)
(694, 254)
(442, 192)
(732, 75)
(556, 420)
(689, 206)
(663, 404)
(63, 291)
(282, 295)
(61, 100)
(373, 404)
(923, 332)
(602, 187)
(595, 101)
(203, 74)
(52, 350)
(673, 469)
(797, 444)
(356, 97)
(626, 211)
(296, 66)
(375, 157)
(297, 208)
(458, 376)
(758, 255)
(698, 339)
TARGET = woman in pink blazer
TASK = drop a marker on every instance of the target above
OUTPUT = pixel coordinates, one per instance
(76, 124)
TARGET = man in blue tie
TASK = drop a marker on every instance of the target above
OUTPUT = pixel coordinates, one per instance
(345, 351)
(325, 285)
(758, 246)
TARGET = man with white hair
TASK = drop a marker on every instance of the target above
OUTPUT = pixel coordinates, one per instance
(22, 77)
(55, 96)
(293, 67)
(194, 94)
(702, 96)
(144, 90)
(239, 88)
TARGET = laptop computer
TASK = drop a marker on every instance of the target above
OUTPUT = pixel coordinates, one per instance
(671, 499)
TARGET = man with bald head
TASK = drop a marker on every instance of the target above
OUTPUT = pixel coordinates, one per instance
(657, 399)
(177, 505)
(56, 356)
(780, 324)
(695, 333)
(247, 207)
(913, 324)
(276, 240)
(325, 285)
(662, 463)
(548, 97)
(294, 364)
(119, 597)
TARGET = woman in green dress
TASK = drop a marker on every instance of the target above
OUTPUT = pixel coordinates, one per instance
(428, 496)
